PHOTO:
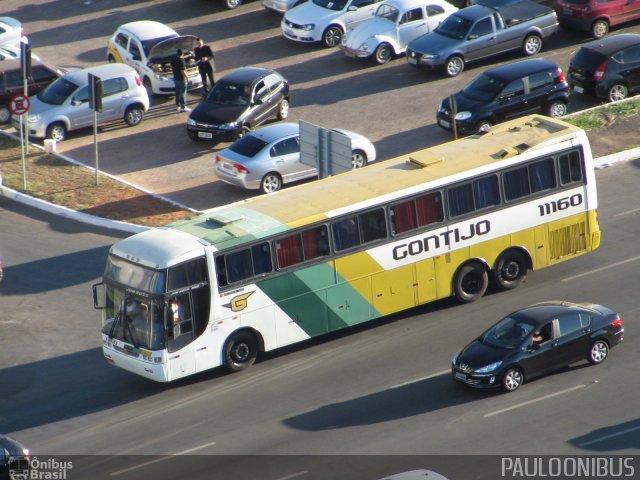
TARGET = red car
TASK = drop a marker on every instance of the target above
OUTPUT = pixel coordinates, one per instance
(596, 16)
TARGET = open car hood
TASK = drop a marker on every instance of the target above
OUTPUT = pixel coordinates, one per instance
(164, 51)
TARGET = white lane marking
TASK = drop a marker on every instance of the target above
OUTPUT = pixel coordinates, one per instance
(607, 437)
(294, 475)
(529, 402)
(161, 459)
(628, 212)
(632, 259)
(437, 374)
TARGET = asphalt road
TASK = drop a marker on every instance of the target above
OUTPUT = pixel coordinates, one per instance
(393, 105)
(382, 389)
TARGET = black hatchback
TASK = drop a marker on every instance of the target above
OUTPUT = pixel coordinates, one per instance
(238, 102)
(608, 68)
(509, 91)
(536, 340)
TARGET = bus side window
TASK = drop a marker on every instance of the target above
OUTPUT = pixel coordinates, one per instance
(429, 209)
(516, 184)
(261, 255)
(345, 234)
(221, 271)
(570, 168)
(542, 175)
(373, 225)
(460, 200)
(180, 322)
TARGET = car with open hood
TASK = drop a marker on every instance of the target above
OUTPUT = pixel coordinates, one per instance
(149, 47)
(394, 25)
(12, 32)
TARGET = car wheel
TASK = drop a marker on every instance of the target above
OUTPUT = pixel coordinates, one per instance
(510, 271)
(558, 109)
(231, 4)
(382, 54)
(484, 126)
(532, 44)
(243, 131)
(283, 110)
(470, 282)
(358, 159)
(618, 91)
(454, 66)
(111, 59)
(600, 28)
(5, 115)
(598, 352)
(133, 115)
(240, 351)
(271, 182)
(332, 36)
(57, 132)
(512, 379)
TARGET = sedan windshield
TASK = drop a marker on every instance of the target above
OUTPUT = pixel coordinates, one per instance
(229, 94)
(508, 333)
(336, 5)
(454, 27)
(484, 88)
(248, 146)
(57, 92)
(389, 12)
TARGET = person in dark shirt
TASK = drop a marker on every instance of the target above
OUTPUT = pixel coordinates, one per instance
(180, 79)
(206, 66)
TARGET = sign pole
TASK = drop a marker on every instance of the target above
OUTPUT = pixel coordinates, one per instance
(95, 103)
(95, 143)
(19, 105)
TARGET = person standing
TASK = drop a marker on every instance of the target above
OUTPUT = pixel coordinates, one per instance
(180, 78)
(206, 66)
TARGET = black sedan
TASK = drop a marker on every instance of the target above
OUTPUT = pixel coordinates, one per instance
(238, 102)
(14, 458)
(536, 340)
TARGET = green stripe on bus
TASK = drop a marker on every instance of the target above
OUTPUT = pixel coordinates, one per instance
(318, 300)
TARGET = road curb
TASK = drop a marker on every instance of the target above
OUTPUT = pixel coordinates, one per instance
(600, 162)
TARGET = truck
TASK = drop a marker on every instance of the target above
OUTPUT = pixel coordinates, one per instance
(480, 31)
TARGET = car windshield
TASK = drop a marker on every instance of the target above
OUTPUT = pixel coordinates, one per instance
(454, 27)
(509, 332)
(229, 94)
(147, 45)
(248, 146)
(484, 88)
(336, 5)
(389, 12)
(57, 92)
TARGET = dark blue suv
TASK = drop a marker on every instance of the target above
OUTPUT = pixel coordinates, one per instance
(509, 91)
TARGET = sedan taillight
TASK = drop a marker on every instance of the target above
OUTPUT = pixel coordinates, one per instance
(240, 168)
(617, 322)
(561, 78)
(599, 73)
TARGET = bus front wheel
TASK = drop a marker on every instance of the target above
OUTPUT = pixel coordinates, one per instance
(240, 351)
(470, 282)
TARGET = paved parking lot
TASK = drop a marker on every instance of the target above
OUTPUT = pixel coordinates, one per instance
(393, 105)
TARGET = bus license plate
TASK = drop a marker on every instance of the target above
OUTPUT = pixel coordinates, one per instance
(461, 376)
(578, 89)
(205, 135)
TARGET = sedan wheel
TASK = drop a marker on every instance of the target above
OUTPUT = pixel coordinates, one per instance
(484, 126)
(512, 379)
(271, 182)
(243, 131)
(600, 28)
(358, 159)
(382, 54)
(231, 4)
(57, 132)
(283, 111)
(598, 352)
(134, 115)
(454, 66)
(5, 115)
(557, 109)
(332, 36)
(618, 92)
(532, 45)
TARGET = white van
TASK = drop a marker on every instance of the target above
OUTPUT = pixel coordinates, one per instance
(64, 105)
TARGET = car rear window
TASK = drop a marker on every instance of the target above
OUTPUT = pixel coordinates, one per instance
(248, 146)
(588, 58)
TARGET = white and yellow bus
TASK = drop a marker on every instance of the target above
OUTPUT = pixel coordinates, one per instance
(273, 270)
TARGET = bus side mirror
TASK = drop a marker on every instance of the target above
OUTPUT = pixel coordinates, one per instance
(98, 293)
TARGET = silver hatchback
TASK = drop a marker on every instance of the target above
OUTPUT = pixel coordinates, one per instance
(64, 105)
(269, 157)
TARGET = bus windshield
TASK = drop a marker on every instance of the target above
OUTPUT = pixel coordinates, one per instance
(134, 276)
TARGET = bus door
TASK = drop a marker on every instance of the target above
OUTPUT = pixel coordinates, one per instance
(180, 336)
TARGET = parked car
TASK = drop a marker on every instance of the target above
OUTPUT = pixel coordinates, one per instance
(270, 157)
(509, 91)
(64, 105)
(14, 459)
(608, 68)
(11, 32)
(239, 102)
(478, 32)
(596, 16)
(394, 25)
(281, 6)
(11, 81)
(149, 47)
(536, 340)
(326, 20)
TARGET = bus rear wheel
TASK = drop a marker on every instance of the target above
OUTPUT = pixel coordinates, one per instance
(240, 351)
(470, 282)
(510, 271)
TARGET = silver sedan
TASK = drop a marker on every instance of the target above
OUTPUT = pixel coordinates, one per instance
(269, 157)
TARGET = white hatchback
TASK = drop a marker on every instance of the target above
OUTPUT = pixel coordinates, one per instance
(394, 25)
(149, 47)
(326, 20)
